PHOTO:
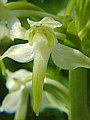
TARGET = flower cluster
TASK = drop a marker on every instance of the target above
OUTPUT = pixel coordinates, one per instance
(42, 43)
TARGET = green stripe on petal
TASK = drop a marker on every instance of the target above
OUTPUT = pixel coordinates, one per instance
(21, 53)
(39, 69)
(69, 58)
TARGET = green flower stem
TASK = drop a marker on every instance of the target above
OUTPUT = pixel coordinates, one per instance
(29, 13)
(84, 31)
(78, 94)
(22, 108)
(68, 12)
(70, 7)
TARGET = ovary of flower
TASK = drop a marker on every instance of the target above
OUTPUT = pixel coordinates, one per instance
(42, 43)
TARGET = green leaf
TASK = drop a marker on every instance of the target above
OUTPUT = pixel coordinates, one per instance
(22, 5)
(72, 38)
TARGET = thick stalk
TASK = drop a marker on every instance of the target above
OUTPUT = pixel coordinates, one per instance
(78, 94)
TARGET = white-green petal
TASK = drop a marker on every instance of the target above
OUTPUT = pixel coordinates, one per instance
(21, 53)
(69, 58)
(11, 102)
(46, 21)
(17, 31)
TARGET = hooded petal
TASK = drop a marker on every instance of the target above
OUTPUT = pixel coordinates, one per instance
(21, 53)
(11, 102)
(16, 30)
(46, 21)
(69, 58)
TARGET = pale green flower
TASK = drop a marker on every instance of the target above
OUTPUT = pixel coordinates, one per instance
(42, 44)
(16, 100)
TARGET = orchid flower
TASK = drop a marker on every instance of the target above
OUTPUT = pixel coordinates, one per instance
(42, 43)
(16, 100)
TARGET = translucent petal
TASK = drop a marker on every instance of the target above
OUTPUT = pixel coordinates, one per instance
(46, 21)
(21, 53)
(16, 30)
(11, 102)
(69, 58)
